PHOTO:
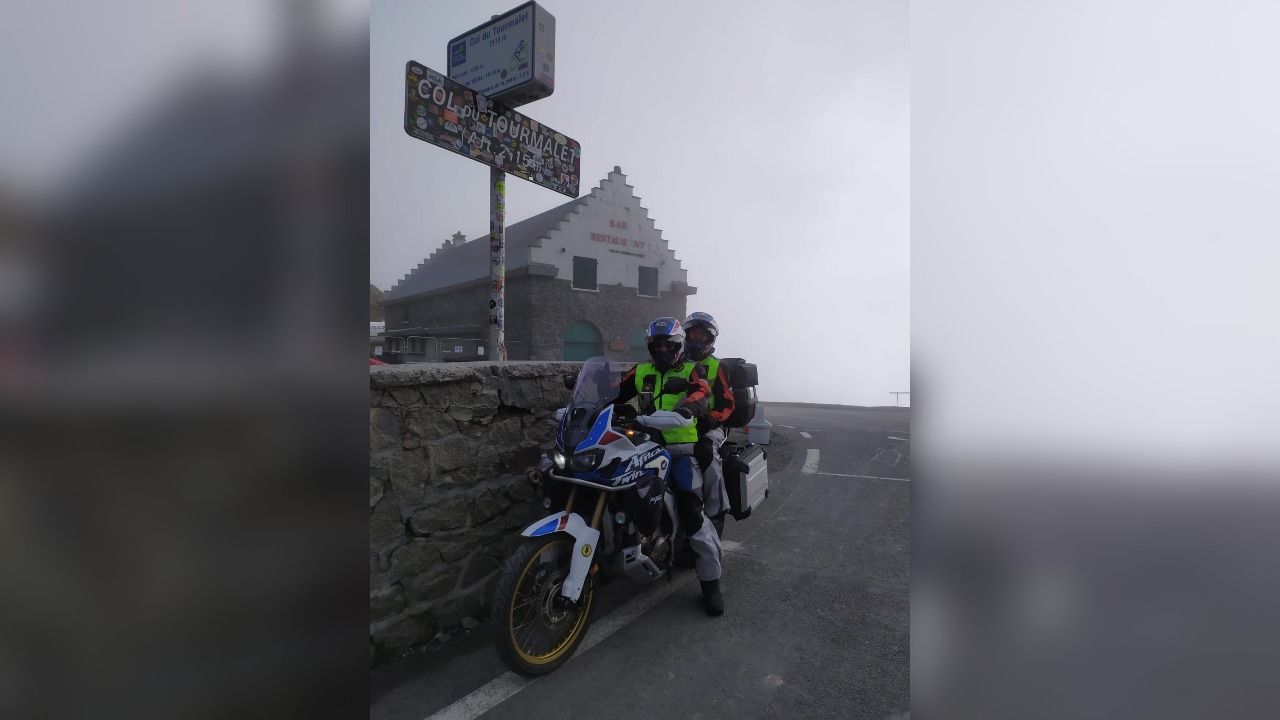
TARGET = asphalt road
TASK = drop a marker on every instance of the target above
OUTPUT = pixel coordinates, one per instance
(817, 614)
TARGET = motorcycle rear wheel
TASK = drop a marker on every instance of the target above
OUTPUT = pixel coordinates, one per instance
(537, 631)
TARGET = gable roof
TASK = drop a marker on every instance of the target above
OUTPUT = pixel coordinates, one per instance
(470, 261)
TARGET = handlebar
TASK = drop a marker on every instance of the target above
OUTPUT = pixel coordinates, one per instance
(664, 420)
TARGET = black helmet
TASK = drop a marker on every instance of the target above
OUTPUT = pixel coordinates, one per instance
(698, 351)
(667, 331)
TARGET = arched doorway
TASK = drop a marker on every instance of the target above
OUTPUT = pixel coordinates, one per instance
(582, 340)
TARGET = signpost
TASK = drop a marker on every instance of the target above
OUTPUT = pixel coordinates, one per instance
(505, 62)
(511, 58)
(451, 115)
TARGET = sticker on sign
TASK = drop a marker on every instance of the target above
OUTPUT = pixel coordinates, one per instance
(450, 115)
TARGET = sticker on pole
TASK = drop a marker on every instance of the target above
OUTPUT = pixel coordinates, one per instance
(451, 115)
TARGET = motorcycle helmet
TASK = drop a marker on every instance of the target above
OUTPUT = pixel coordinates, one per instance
(699, 350)
(665, 340)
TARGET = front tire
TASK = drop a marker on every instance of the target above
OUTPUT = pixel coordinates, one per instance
(537, 631)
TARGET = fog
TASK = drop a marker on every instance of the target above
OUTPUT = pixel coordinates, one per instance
(769, 143)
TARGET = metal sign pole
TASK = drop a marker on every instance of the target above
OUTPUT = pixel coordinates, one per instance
(497, 263)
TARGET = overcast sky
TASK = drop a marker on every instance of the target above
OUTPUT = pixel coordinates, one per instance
(769, 141)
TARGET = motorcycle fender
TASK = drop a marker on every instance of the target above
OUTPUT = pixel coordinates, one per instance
(547, 525)
(584, 547)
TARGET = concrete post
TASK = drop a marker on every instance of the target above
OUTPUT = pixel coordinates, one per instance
(497, 264)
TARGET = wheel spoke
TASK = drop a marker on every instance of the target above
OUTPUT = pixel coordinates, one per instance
(540, 623)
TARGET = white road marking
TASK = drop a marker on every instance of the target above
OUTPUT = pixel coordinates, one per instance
(810, 461)
(787, 427)
(866, 477)
(730, 545)
(804, 434)
(489, 695)
(484, 699)
(632, 610)
(898, 438)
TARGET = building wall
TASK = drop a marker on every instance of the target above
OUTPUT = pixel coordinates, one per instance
(614, 309)
(466, 305)
(614, 229)
(539, 311)
(519, 310)
(611, 227)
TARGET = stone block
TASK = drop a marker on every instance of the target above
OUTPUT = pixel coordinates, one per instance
(450, 453)
(384, 429)
(524, 392)
(541, 431)
(494, 528)
(385, 524)
(403, 635)
(418, 557)
(482, 452)
(447, 513)
(507, 432)
(521, 489)
(435, 585)
(521, 514)
(484, 400)
(378, 575)
(501, 547)
(408, 473)
(385, 603)
(477, 568)
(485, 508)
(518, 462)
(430, 425)
(449, 612)
(406, 396)
(475, 431)
(462, 413)
(377, 487)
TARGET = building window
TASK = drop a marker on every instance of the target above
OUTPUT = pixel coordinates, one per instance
(649, 281)
(400, 314)
(584, 273)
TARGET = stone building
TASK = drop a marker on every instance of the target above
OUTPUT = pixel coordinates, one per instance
(583, 279)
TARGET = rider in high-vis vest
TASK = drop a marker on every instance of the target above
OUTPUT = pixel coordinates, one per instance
(646, 381)
(701, 331)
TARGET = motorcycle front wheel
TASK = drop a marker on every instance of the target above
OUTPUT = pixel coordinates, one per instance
(537, 629)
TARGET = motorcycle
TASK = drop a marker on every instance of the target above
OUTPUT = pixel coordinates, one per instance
(545, 591)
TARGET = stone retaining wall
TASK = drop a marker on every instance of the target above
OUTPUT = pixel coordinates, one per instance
(452, 449)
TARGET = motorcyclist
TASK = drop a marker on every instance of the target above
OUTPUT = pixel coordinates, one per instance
(665, 340)
(701, 331)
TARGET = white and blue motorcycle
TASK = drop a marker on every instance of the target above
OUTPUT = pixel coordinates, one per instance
(542, 605)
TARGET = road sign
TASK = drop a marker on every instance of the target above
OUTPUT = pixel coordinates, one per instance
(511, 58)
(451, 115)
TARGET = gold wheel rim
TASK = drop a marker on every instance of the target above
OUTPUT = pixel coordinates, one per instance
(563, 646)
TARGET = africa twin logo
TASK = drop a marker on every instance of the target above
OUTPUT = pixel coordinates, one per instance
(641, 464)
(640, 460)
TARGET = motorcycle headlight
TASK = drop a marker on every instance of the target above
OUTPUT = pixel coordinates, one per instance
(583, 462)
(557, 457)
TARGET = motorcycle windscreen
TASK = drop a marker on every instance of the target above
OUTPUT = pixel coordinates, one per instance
(596, 388)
